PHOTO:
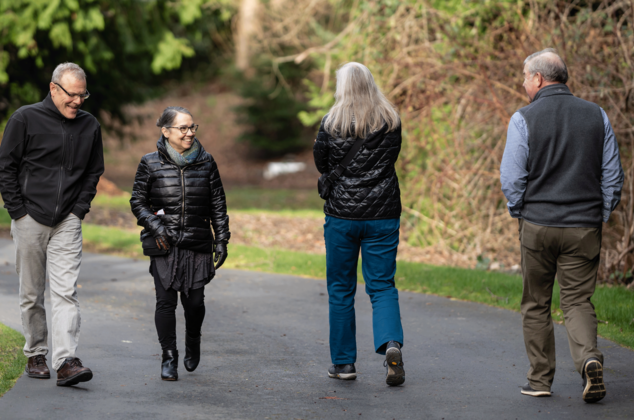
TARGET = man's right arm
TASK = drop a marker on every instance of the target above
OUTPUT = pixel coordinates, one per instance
(11, 151)
(611, 170)
(514, 166)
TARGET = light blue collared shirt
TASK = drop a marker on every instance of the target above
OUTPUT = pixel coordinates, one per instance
(514, 167)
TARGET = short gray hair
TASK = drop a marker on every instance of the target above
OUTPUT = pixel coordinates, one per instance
(64, 68)
(553, 70)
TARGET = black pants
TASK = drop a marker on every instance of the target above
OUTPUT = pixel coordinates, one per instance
(165, 315)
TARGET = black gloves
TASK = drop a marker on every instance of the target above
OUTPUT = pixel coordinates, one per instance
(220, 254)
(162, 243)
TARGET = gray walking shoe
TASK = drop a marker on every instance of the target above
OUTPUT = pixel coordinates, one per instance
(347, 372)
(395, 373)
(593, 385)
(528, 390)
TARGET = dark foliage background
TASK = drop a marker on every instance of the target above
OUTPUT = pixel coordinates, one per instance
(129, 49)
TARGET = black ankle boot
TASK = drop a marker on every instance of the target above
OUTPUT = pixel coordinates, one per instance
(192, 353)
(169, 366)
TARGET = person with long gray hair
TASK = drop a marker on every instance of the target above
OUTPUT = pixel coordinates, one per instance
(51, 158)
(356, 148)
(561, 173)
(177, 197)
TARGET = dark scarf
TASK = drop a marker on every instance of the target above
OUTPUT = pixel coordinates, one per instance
(188, 156)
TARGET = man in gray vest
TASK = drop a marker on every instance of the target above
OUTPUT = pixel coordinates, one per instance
(561, 173)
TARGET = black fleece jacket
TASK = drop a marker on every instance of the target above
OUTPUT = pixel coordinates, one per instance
(50, 165)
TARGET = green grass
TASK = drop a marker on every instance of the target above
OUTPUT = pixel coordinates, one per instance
(12, 360)
(5, 219)
(112, 241)
(273, 199)
(121, 202)
(276, 261)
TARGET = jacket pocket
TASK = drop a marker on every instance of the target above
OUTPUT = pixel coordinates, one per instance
(26, 182)
(532, 236)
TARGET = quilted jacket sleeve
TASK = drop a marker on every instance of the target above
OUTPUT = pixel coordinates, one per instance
(320, 149)
(140, 202)
(218, 207)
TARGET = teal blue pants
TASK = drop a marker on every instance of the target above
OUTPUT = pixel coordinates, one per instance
(378, 242)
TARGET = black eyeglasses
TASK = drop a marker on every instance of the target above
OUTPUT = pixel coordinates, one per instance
(81, 96)
(184, 129)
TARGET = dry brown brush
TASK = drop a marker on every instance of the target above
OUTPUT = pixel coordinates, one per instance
(456, 77)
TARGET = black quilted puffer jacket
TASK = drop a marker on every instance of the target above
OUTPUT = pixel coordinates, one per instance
(191, 197)
(368, 188)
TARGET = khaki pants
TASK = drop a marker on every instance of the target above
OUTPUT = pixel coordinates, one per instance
(58, 249)
(573, 255)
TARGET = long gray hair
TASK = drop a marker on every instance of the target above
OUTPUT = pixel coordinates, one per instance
(360, 107)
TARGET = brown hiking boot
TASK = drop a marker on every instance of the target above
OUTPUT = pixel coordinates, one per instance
(72, 372)
(36, 367)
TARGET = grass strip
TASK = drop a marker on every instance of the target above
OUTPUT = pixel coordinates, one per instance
(113, 241)
(12, 360)
(614, 305)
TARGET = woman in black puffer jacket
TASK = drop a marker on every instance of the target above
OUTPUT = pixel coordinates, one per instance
(362, 214)
(177, 197)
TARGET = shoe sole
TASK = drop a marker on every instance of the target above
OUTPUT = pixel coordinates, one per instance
(169, 379)
(344, 376)
(595, 388)
(534, 393)
(36, 376)
(395, 372)
(74, 380)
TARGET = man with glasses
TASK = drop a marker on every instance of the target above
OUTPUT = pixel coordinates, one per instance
(51, 158)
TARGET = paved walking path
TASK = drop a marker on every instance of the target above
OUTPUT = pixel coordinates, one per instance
(265, 355)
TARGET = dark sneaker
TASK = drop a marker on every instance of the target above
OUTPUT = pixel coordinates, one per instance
(37, 368)
(347, 372)
(395, 374)
(593, 386)
(527, 390)
(73, 372)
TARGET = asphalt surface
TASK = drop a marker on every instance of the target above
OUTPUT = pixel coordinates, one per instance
(265, 355)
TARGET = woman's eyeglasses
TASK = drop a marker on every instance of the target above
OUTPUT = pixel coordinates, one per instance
(184, 129)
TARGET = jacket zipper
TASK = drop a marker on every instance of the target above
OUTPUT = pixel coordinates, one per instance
(61, 172)
(70, 154)
(183, 206)
(180, 238)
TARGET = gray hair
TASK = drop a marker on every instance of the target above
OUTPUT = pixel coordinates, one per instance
(549, 64)
(71, 68)
(169, 114)
(360, 107)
